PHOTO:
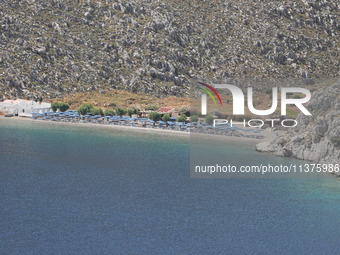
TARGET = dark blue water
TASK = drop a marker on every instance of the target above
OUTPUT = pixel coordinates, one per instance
(72, 190)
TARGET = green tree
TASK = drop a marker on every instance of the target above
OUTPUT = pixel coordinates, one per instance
(97, 111)
(166, 117)
(54, 107)
(209, 119)
(130, 112)
(136, 110)
(155, 116)
(109, 112)
(185, 111)
(63, 107)
(193, 118)
(120, 112)
(85, 108)
(182, 118)
(133, 110)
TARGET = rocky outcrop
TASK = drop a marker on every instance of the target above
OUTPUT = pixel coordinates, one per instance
(317, 137)
(55, 47)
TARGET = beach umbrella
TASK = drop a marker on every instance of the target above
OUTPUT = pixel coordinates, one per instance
(235, 128)
(179, 124)
(150, 121)
(171, 123)
(161, 122)
(247, 130)
(222, 124)
(172, 118)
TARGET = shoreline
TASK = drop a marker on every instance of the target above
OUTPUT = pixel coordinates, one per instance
(267, 134)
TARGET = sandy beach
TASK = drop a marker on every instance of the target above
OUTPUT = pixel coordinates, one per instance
(267, 134)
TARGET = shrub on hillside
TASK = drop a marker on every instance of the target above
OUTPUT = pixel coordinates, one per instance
(336, 141)
(209, 119)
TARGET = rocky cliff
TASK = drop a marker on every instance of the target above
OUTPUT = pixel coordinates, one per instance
(317, 137)
(50, 48)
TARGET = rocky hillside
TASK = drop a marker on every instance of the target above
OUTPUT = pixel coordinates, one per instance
(317, 137)
(50, 48)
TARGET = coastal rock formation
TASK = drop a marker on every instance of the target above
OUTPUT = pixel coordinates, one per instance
(56, 47)
(317, 137)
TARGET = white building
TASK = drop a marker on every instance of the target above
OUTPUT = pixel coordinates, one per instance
(24, 108)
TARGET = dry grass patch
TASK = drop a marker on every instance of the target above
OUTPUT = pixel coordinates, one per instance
(121, 98)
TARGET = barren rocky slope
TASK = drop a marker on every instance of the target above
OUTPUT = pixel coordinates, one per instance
(49, 48)
(317, 137)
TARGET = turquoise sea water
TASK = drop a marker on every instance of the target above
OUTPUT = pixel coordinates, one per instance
(80, 190)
